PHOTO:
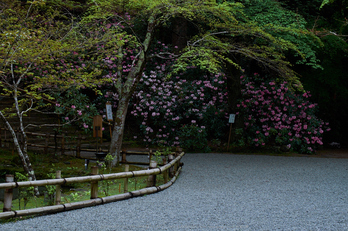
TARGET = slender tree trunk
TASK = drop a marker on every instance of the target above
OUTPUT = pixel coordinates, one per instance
(126, 92)
(22, 151)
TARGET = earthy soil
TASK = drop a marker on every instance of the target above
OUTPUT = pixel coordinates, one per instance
(324, 153)
(333, 153)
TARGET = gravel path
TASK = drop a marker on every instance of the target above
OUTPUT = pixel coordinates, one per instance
(225, 192)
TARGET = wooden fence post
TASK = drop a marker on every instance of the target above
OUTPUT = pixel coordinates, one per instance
(78, 146)
(5, 138)
(55, 141)
(58, 192)
(64, 134)
(0, 136)
(8, 195)
(94, 184)
(151, 180)
(125, 187)
(46, 143)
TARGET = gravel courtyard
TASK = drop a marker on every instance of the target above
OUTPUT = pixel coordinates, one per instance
(225, 192)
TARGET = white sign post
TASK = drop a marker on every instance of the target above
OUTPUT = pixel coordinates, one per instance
(109, 114)
(232, 118)
(109, 111)
(231, 121)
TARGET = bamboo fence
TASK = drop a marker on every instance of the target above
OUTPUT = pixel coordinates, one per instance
(60, 143)
(173, 168)
(59, 140)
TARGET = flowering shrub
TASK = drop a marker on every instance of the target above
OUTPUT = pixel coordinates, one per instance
(76, 109)
(275, 115)
(161, 105)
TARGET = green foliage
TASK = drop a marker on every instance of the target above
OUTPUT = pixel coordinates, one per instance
(24, 194)
(286, 25)
(193, 138)
(50, 190)
(329, 87)
(38, 58)
(105, 186)
(325, 2)
(75, 108)
(108, 161)
(221, 30)
(157, 156)
(215, 123)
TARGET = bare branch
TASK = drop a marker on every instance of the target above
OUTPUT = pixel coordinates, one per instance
(161, 55)
(135, 58)
(29, 108)
(51, 125)
(199, 40)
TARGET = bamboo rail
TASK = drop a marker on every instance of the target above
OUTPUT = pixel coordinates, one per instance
(94, 180)
(89, 203)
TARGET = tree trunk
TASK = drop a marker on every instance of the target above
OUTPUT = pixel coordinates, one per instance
(117, 134)
(234, 93)
(22, 152)
(179, 34)
(126, 92)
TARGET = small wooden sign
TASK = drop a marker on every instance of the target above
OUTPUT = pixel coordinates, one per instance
(98, 126)
(109, 111)
(232, 118)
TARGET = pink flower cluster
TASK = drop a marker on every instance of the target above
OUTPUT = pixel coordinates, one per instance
(275, 115)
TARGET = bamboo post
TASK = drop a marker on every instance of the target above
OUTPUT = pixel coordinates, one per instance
(171, 169)
(125, 188)
(8, 194)
(124, 156)
(150, 155)
(78, 146)
(165, 173)
(178, 151)
(46, 143)
(58, 192)
(94, 184)
(151, 180)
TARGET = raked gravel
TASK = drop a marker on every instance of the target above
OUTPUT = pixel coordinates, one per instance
(225, 192)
